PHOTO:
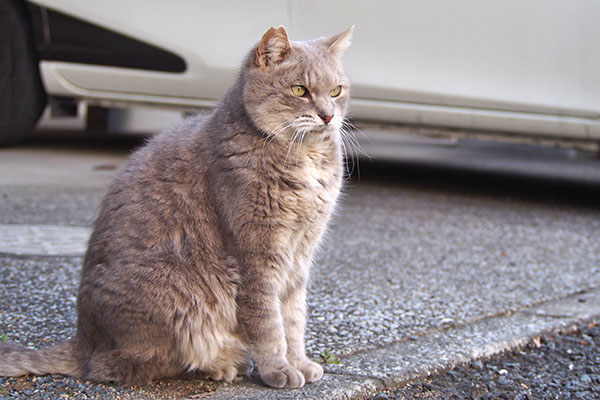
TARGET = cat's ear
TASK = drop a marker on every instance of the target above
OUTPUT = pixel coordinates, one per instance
(340, 42)
(273, 47)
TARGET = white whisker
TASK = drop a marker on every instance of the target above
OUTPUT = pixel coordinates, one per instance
(296, 135)
(272, 135)
(345, 154)
(349, 125)
(352, 147)
(299, 148)
(349, 131)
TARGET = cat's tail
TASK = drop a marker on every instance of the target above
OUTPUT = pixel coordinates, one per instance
(16, 360)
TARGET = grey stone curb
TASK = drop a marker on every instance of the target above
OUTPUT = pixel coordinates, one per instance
(43, 240)
(363, 374)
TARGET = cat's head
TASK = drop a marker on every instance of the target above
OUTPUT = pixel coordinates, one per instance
(297, 87)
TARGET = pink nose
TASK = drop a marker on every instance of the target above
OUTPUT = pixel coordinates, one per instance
(326, 118)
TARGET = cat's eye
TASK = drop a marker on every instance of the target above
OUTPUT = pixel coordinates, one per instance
(299, 90)
(335, 92)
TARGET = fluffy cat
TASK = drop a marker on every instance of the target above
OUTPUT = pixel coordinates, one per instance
(200, 256)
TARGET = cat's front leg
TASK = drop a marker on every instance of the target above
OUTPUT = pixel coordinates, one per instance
(259, 313)
(294, 320)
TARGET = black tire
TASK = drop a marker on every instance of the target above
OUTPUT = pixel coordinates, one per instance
(22, 96)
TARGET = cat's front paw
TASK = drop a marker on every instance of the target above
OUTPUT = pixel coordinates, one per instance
(225, 374)
(311, 370)
(283, 377)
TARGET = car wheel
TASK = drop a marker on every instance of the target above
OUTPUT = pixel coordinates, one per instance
(22, 96)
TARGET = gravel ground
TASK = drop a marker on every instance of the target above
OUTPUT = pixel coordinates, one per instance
(58, 387)
(561, 366)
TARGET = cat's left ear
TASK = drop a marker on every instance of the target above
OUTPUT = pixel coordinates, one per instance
(340, 42)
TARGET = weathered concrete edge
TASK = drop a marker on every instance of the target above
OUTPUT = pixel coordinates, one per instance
(363, 374)
(408, 360)
(331, 387)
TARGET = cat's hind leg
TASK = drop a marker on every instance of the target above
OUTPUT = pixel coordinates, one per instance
(231, 362)
(131, 367)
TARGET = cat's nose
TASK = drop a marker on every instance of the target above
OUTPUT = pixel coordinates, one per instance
(326, 118)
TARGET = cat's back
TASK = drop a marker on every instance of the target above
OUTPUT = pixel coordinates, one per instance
(181, 143)
(169, 161)
(157, 191)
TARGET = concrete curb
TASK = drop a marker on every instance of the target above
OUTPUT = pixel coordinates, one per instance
(363, 374)
(43, 240)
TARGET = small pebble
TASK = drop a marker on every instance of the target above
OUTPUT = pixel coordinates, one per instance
(523, 396)
(502, 381)
(381, 396)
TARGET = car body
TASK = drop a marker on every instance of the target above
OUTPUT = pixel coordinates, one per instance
(510, 69)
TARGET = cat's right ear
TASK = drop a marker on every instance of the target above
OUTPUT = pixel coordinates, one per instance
(273, 48)
(340, 42)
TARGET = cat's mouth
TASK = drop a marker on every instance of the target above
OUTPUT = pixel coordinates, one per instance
(324, 129)
(319, 129)
(312, 129)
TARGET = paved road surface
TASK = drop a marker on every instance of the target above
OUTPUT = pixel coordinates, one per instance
(415, 250)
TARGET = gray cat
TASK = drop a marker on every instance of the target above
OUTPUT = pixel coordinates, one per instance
(200, 256)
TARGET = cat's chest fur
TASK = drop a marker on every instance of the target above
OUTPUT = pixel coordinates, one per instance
(303, 200)
(317, 181)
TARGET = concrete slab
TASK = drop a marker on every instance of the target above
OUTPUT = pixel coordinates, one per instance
(365, 373)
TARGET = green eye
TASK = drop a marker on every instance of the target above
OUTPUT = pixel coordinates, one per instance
(335, 92)
(299, 90)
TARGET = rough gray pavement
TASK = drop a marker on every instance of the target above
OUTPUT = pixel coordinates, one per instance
(564, 365)
(420, 270)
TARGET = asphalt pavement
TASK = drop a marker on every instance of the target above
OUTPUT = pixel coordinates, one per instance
(430, 262)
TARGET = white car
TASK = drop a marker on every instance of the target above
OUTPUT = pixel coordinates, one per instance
(510, 69)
